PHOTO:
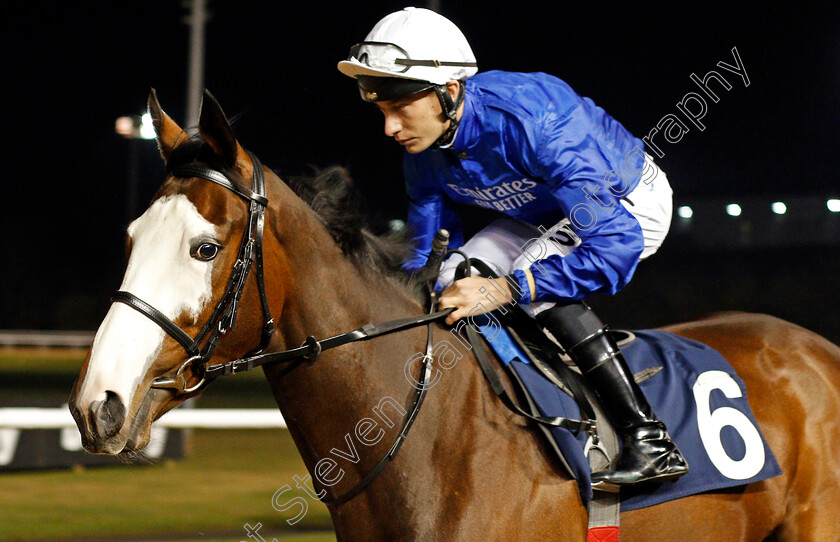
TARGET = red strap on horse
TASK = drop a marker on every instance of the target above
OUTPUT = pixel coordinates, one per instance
(603, 534)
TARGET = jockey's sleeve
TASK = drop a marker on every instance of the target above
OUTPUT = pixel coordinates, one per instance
(611, 238)
(429, 210)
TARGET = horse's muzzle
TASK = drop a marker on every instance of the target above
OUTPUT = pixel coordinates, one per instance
(102, 421)
(107, 416)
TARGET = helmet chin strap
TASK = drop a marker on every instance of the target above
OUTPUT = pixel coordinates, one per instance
(450, 109)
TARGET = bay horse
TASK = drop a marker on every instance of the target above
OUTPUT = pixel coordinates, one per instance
(471, 470)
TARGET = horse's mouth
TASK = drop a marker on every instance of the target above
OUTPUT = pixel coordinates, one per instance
(133, 436)
(103, 447)
(121, 445)
(137, 441)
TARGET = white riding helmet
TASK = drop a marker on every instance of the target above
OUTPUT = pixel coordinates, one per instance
(409, 52)
(413, 43)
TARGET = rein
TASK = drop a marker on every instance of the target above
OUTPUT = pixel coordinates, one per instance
(223, 319)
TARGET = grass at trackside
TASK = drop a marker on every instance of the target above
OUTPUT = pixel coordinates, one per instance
(227, 481)
(46, 359)
(280, 538)
(29, 373)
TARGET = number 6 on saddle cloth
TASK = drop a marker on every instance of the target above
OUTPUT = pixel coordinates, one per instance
(692, 386)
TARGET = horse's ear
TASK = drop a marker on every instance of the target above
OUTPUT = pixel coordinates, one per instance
(169, 134)
(216, 131)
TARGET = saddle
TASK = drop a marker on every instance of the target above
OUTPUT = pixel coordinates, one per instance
(517, 335)
(681, 378)
(520, 336)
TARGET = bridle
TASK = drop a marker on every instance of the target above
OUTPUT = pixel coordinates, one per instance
(200, 349)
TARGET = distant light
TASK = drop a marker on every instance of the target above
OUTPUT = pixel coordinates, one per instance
(685, 211)
(147, 128)
(396, 225)
(135, 127)
(833, 205)
(779, 207)
(124, 126)
(733, 209)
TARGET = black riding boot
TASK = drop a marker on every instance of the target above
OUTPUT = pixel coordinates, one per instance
(648, 453)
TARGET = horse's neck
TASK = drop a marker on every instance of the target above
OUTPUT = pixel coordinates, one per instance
(329, 403)
(337, 406)
(330, 295)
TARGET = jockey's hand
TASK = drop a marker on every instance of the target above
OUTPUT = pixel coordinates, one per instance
(470, 296)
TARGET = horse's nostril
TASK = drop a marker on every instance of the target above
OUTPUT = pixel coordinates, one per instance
(108, 415)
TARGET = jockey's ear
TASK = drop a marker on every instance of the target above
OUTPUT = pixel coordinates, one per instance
(216, 131)
(169, 135)
(453, 87)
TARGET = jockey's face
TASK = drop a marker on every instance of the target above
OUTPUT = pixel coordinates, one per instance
(417, 121)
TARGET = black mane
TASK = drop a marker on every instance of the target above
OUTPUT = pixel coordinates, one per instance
(332, 195)
(334, 198)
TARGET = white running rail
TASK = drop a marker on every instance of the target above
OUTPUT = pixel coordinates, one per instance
(179, 418)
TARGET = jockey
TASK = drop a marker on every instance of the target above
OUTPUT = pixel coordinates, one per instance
(582, 202)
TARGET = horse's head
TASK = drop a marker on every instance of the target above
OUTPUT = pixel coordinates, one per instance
(190, 255)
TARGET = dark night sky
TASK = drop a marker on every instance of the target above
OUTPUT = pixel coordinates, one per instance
(72, 70)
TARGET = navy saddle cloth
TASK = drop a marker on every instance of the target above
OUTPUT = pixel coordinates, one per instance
(696, 394)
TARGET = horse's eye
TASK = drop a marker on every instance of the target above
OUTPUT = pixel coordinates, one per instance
(205, 252)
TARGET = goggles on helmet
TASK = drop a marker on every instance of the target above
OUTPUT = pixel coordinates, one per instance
(393, 58)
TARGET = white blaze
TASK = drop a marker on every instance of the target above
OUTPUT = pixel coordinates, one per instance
(162, 273)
